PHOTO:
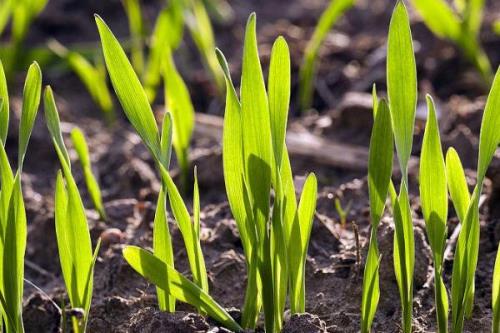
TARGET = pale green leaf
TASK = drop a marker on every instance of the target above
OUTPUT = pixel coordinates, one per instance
(129, 89)
(31, 101)
(380, 162)
(4, 109)
(473, 15)
(162, 249)
(200, 27)
(279, 95)
(89, 288)
(256, 128)
(179, 104)
(75, 248)
(457, 183)
(136, 27)
(53, 123)
(80, 145)
(404, 255)
(464, 263)
(439, 17)
(299, 241)
(91, 76)
(63, 245)
(166, 140)
(6, 183)
(433, 185)
(371, 288)
(489, 137)
(82, 151)
(495, 294)
(159, 50)
(335, 10)
(434, 201)
(196, 206)
(183, 219)
(290, 198)
(401, 83)
(232, 156)
(14, 248)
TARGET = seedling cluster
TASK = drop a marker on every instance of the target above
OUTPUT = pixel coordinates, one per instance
(273, 224)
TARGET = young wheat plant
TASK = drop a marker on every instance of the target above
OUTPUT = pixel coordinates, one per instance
(158, 267)
(256, 161)
(72, 231)
(13, 224)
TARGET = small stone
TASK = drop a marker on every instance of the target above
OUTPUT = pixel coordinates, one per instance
(111, 236)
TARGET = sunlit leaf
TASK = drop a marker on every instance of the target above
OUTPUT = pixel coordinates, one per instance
(129, 89)
(176, 285)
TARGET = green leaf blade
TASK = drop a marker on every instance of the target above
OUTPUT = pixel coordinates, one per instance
(53, 124)
(129, 89)
(232, 155)
(13, 256)
(495, 294)
(279, 95)
(433, 184)
(335, 10)
(301, 232)
(439, 17)
(177, 285)
(31, 100)
(183, 219)
(401, 83)
(371, 287)
(179, 104)
(80, 145)
(457, 184)
(489, 137)
(257, 144)
(380, 162)
(4, 109)
(162, 248)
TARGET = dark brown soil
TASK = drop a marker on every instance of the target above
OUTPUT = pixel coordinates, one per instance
(352, 59)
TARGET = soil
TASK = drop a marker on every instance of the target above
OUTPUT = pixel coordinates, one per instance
(352, 59)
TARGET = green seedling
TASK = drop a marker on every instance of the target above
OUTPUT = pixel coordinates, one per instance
(166, 37)
(200, 28)
(434, 201)
(495, 295)
(256, 163)
(13, 224)
(330, 16)
(379, 177)
(178, 103)
(168, 27)
(496, 27)
(136, 27)
(92, 76)
(158, 267)
(21, 14)
(461, 25)
(467, 208)
(82, 150)
(343, 212)
(402, 93)
(72, 231)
